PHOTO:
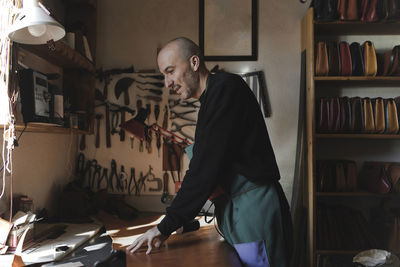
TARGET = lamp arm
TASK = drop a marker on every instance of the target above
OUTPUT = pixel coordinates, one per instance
(164, 132)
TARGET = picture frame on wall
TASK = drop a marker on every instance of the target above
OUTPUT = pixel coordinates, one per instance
(228, 30)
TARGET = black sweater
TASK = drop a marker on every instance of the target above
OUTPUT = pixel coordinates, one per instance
(231, 138)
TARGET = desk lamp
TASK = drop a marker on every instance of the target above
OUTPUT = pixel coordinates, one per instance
(137, 127)
(34, 25)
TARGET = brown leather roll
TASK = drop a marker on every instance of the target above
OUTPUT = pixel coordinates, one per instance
(391, 119)
(321, 62)
(333, 58)
(389, 10)
(334, 115)
(379, 115)
(323, 115)
(345, 59)
(351, 175)
(368, 116)
(369, 10)
(340, 176)
(373, 178)
(352, 10)
(370, 63)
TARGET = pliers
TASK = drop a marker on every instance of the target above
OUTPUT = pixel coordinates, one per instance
(175, 115)
(96, 175)
(112, 174)
(105, 177)
(178, 128)
(133, 179)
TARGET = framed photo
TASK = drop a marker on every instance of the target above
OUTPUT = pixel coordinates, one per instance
(228, 30)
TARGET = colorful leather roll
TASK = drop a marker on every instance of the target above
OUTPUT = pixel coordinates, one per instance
(368, 116)
(321, 62)
(379, 115)
(333, 58)
(345, 59)
(357, 59)
(370, 63)
(356, 114)
(391, 119)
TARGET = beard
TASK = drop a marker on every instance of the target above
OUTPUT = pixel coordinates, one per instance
(191, 80)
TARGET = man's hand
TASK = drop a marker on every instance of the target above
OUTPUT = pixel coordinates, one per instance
(149, 236)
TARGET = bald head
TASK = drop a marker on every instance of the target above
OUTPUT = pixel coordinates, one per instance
(185, 48)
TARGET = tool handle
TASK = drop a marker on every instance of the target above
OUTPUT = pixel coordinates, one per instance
(82, 145)
(98, 134)
(108, 133)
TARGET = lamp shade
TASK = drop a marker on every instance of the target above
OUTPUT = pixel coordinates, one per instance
(34, 26)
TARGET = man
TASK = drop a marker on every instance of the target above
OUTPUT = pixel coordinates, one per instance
(232, 152)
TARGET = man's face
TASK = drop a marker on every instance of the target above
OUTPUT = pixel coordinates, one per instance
(179, 74)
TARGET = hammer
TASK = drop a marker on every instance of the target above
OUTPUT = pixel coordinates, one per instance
(99, 116)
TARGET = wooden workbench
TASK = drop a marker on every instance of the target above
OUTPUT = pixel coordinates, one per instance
(199, 248)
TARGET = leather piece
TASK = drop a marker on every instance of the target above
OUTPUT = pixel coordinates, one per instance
(334, 115)
(342, 8)
(345, 114)
(323, 115)
(389, 10)
(379, 115)
(391, 62)
(351, 175)
(369, 11)
(356, 115)
(373, 178)
(352, 10)
(325, 10)
(357, 59)
(333, 58)
(370, 63)
(321, 62)
(394, 176)
(368, 117)
(391, 119)
(345, 59)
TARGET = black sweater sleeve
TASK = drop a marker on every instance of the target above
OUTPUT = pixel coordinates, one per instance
(212, 152)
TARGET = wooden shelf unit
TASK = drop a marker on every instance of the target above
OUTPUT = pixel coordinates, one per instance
(311, 33)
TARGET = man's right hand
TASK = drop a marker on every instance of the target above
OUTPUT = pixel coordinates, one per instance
(149, 236)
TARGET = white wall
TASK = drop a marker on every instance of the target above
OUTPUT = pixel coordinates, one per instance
(130, 31)
(42, 165)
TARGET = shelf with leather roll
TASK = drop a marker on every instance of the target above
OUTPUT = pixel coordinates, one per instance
(367, 79)
(357, 28)
(61, 54)
(355, 194)
(47, 128)
(356, 136)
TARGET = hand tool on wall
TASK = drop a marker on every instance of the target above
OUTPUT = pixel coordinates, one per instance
(156, 111)
(157, 77)
(159, 184)
(80, 166)
(114, 122)
(151, 97)
(148, 108)
(108, 130)
(113, 173)
(96, 176)
(158, 84)
(132, 138)
(180, 115)
(165, 120)
(148, 138)
(106, 76)
(123, 180)
(151, 90)
(178, 128)
(139, 104)
(135, 184)
(158, 142)
(121, 131)
(104, 177)
(123, 85)
(99, 116)
(166, 197)
(141, 183)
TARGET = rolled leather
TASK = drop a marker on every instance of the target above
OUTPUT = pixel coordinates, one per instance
(333, 58)
(345, 114)
(388, 10)
(351, 175)
(370, 63)
(373, 178)
(391, 119)
(323, 115)
(340, 176)
(368, 116)
(369, 11)
(345, 59)
(357, 59)
(321, 61)
(325, 10)
(356, 115)
(334, 115)
(379, 114)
